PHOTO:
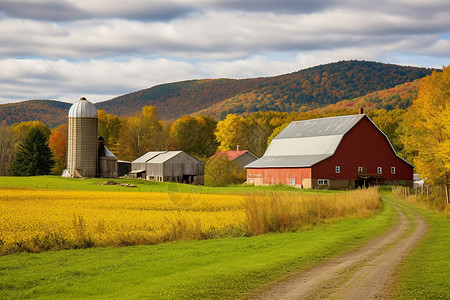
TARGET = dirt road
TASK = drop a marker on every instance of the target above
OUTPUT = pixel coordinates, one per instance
(366, 273)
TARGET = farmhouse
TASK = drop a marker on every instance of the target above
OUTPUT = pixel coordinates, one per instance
(337, 152)
(241, 157)
(172, 166)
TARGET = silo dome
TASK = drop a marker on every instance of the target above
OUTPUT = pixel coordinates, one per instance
(82, 144)
(83, 109)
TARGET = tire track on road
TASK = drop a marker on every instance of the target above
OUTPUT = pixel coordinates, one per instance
(365, 273)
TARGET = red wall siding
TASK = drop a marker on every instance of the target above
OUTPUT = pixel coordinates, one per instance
(280, 175)
(364, 145)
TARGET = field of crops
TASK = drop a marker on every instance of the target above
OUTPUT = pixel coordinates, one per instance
(41, 220)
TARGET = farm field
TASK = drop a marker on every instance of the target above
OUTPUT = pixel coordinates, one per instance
(225, 268)
(34, 220)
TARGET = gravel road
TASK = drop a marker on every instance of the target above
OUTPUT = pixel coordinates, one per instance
(365, 273)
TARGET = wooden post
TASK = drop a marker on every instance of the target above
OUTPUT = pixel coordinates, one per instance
(446, 193)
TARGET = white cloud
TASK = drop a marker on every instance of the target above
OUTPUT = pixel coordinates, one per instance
(52, 49)
(100, 80)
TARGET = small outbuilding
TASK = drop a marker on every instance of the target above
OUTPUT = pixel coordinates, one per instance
(337, 152)
(168, 166)
(241, 157)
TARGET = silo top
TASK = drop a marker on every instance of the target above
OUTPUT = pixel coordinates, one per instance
(83, 109)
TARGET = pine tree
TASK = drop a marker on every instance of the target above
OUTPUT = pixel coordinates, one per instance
(33, 156)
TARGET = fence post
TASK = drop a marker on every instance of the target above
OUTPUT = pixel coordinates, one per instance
(446, 193)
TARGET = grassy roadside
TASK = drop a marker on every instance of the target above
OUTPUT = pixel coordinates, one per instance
(223, 268)
(61, 183)
(426, 272)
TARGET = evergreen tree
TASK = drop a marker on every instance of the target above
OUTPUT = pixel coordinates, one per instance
(33, 156)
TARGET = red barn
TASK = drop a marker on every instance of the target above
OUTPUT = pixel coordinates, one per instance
(336, 152)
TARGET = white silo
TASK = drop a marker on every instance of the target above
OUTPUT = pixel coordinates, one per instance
(82, 145)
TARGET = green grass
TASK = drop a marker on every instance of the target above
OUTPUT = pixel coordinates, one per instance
(61, 183)
(426, 272)
(222, 268)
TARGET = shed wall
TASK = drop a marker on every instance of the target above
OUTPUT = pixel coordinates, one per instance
(107, 167)
(245, 159)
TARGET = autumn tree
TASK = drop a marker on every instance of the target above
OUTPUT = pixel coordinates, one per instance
(58, 144)
(22, 129)
(427, 129)
(231, 132)
(276, 132)
(6, 148)
(33, 156)
(140, 134)
(109, 127)
(220, 171)
(389, 123)
(194, 135)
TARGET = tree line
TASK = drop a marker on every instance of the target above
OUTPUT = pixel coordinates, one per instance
(420, 134)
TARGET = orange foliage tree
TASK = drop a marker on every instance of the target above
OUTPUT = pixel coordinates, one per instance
(58, 144)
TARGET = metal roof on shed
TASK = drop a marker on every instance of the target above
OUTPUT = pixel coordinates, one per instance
(159, 159)
(156, 157)
(305, 143)
(147, 156)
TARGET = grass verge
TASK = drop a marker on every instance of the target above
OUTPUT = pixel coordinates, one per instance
(223, 268)
(426, 272)
(94, 184)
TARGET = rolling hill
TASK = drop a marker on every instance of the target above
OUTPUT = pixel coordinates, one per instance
(50, 112)
(306, 89)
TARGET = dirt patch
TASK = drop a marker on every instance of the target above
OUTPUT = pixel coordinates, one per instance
(365, 273)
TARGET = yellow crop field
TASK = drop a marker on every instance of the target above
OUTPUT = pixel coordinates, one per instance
(42, 220)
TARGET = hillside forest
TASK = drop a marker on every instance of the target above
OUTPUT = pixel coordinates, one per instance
(418, 128)
(370, 83)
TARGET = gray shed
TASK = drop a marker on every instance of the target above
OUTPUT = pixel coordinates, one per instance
(168, 166)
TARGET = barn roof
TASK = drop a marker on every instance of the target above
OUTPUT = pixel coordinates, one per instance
(165, 156)
(305, 143)
(232, 154)
(147, 156)
(157, 157)
(109, 153)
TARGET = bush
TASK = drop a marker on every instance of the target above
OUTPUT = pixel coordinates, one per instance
(220, 171)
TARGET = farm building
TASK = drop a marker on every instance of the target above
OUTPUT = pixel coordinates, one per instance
(336, 152)
(172, 166)
(241, 157)
(87, 156)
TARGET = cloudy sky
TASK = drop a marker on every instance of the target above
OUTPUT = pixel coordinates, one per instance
(65, 49)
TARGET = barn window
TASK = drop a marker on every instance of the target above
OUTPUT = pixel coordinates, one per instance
(360, 170)
(379, 170)
(322, 181)
(392, 170)
(338, 169)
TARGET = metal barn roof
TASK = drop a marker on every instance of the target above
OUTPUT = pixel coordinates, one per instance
(83, 109)
(156, 157)
(305, 143)
(147, 156)
(109, 153)
(163, 157)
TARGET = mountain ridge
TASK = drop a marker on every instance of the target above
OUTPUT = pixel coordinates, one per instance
(311, 88)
